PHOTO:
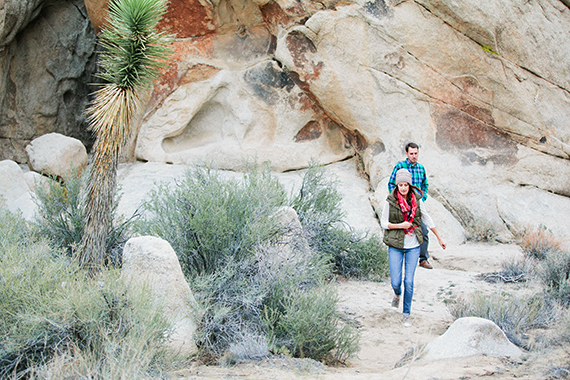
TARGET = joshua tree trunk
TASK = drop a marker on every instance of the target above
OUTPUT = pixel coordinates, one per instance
(134, 53)
(115, 110)
(100, 190)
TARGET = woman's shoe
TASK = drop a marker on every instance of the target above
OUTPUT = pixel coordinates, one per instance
(395, 302)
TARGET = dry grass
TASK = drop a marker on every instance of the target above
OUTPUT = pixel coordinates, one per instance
(481, 230)
(539, 243)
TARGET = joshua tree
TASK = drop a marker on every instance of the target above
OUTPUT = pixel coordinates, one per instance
(133, 54)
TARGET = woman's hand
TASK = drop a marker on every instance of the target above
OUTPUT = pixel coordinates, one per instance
(405, 225)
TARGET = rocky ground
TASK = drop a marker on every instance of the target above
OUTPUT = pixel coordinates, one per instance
(385, 343)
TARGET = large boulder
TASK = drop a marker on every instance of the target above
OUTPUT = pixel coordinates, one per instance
(471, 336)
(152, 261)
(481, 86)
(56, 155)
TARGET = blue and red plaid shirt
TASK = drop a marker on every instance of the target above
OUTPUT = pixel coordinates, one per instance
(419, 177)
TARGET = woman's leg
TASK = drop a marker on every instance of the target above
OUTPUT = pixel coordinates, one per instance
(411, 261)
(396, 258)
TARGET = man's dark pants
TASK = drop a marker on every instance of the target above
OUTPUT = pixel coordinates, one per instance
(424, 255)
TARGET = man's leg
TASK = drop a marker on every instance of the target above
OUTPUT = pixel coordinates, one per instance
(424, 255)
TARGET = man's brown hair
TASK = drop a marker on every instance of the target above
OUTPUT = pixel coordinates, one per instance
(411, 145)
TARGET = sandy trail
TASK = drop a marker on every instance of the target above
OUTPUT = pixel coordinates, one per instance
(385, 341)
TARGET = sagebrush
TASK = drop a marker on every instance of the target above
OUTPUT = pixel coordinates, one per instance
(57, 322)
(245, 260)
(555, 273)
(61, 216)
(353, 253)
(514, 315)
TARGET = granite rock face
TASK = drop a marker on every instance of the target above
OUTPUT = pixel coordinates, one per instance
(47, 58)
(481, 86)
(15, 15)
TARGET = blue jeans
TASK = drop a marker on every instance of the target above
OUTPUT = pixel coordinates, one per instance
(408, 257)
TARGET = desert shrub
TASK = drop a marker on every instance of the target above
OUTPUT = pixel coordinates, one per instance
(318, 205)
(300, 311)
(210, 220)
(539, 244)
(229, 236)
(481, 230)
(512, 271)
(558, 372)
(61, 216)
(232, 299)
(555, 273)
(52, 313)
(240, 296)
(318, 202)
(514, 315)
(354, 256)
(307, 324)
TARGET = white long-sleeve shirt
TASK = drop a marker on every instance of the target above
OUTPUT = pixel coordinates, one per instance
(410, 241)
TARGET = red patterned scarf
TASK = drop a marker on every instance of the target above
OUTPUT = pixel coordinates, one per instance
(408, 212)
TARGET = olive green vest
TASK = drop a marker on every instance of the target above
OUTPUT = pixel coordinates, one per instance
(395, 238)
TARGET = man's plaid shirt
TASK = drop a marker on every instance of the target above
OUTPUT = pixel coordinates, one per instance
(419, 177)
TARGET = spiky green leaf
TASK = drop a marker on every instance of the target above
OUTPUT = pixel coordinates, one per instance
(134, 51)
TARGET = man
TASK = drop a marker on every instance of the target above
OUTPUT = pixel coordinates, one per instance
(419, 179)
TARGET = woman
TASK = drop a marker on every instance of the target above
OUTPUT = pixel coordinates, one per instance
(401, 219)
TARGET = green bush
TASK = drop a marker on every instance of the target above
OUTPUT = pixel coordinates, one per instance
(300, 311)
(53, 313)
(210, 220)
(307, 324)
(318, 201)
(61, 216)
(360, 257)
(318, 207)
(514, 315)
(230, 237)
